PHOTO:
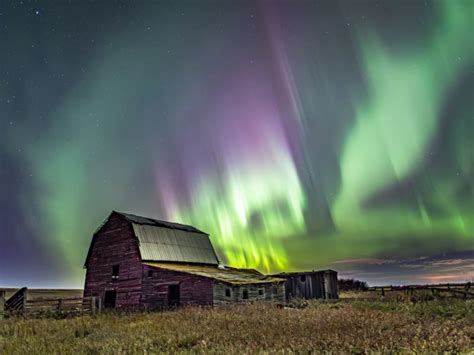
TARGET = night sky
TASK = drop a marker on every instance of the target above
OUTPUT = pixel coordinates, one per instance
(299, 134)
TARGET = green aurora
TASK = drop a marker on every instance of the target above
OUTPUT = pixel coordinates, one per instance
(297, 136)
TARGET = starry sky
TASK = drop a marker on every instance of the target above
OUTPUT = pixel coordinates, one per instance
(299, 134)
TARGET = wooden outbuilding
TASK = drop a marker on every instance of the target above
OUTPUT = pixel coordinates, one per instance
(311, 284)
(142, 263)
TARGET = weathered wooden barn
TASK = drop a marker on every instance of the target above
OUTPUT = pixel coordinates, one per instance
(310, 284)
(141, 263)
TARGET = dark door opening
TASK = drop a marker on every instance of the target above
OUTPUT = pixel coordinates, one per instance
(110, 298)
(173, 295)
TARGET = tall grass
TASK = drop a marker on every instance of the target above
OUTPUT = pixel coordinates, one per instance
(358, 326)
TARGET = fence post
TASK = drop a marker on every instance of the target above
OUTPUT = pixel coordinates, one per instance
(2, 304)
(93, 306)
(23, 306)
(60, 305)
(99, 304)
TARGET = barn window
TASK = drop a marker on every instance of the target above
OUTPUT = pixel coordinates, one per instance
(227, 292)
(150, 273)
(303, 278)
(245, 294)
(260, 292)
(115, 272)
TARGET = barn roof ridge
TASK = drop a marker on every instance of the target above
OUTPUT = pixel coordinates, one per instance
(136, 219)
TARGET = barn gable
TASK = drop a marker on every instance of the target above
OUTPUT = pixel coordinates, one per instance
(165, 241)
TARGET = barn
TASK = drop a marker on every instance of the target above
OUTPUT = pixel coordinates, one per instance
(310, 284)
(136, 262)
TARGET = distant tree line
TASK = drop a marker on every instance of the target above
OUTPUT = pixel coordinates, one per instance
(352, 285)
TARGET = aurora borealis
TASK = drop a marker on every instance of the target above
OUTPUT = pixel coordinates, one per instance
(299, 134)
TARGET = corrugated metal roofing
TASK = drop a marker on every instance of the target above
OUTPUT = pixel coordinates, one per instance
(164, 244)
(227, 274)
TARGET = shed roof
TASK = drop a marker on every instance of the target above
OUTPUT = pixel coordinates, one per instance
(297, 273)
(226, 274)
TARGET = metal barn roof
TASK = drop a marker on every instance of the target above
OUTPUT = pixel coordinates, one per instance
(226, 274)
(165, 244)
(166, 241)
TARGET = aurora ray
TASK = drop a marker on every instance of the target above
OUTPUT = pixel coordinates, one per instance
(298, 134)
(393, 130)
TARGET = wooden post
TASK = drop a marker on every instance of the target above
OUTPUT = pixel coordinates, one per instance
(60, 305)
(99, 304)
(2, 304)
(93, 306)
(23, 306)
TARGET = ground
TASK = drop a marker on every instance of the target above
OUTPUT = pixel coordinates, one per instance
(417, 324)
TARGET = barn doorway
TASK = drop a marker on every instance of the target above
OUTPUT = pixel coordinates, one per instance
(173, 295)
(110, 299)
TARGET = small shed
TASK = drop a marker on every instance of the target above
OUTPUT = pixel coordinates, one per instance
(311, 284)
(137, 262)
(219, 285)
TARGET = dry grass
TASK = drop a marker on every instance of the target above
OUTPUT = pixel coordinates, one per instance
(346, 326)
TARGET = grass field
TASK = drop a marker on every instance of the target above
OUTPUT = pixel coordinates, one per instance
(349, 325)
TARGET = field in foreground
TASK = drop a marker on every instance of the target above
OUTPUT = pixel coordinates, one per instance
(347, 326)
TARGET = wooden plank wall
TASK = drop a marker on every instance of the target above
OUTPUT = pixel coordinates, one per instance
(331, 285)
(270, 292)
(194, 289)
(115, 244)
(318, 284)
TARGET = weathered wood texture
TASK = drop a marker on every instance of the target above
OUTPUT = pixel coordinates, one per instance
(114, 244)
(225, 293)
(56, 306)
(194, 289)
(2, 304)
(315, 284)
(330, 285)
(17, 302)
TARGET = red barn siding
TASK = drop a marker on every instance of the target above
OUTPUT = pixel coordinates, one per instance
(115, 244)
(194, 289)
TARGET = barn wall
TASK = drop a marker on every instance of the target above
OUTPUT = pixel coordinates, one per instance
(318, 284)
(114, 244)
(270, 292)
(194, 289)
